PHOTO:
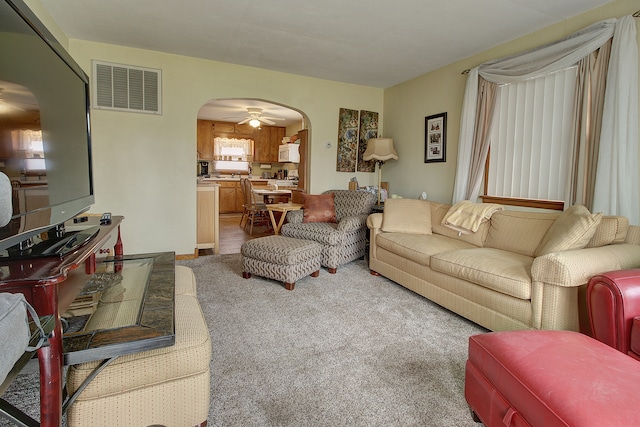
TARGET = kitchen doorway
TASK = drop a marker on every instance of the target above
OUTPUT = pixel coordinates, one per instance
(239, 113)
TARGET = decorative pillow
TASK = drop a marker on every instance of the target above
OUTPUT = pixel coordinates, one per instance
(407, 216)
(319, 208)
(612, 229)
(571, 230)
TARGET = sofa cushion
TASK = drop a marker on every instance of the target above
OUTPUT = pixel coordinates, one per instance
(438, 212)
(518, 231)
(506, 272)
(319, 208)
(407, 216)
(418, 247)
(571, 230)
(612, 229)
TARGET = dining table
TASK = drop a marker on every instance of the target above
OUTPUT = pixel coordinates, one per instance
(270, 196)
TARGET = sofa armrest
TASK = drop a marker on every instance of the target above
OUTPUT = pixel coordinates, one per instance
(351, 223)
(576, 267)
(613, 299)
(374, 221)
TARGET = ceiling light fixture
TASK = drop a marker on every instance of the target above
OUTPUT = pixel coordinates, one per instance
(254, 123)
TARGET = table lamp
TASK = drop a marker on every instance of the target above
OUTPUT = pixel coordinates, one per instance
(380, 150)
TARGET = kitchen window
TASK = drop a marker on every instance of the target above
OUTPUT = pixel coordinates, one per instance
(233, 149)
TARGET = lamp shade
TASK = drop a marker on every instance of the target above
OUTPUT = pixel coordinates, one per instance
(380, 149)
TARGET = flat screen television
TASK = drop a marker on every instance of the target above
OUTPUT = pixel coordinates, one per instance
(45, 144)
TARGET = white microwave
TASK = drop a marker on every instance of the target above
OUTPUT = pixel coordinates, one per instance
(289, 153)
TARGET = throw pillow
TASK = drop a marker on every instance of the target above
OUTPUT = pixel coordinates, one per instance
(571, 230)
(407, 216)
(319, 208)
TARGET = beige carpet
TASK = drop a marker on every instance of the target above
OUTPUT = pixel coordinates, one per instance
(345, 349)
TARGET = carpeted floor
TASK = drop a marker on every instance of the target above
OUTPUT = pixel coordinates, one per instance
(348, 349)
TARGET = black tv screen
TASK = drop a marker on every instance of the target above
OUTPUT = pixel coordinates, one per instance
(45, 145)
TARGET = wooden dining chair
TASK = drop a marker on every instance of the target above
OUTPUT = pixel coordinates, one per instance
(254, 213)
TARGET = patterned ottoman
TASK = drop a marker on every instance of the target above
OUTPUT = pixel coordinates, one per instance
(281, 258)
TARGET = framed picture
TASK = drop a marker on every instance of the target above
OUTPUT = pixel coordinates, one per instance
(435, 138)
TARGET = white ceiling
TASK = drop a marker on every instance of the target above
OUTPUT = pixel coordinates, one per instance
(376, 43)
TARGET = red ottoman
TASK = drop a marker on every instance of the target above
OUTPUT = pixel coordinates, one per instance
(550, 378)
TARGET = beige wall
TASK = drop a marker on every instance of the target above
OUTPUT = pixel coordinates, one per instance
(406, 105)
(145, 164)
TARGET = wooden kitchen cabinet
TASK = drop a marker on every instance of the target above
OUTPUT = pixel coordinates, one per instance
(245, 129)
(207, 223)
(277, 133)
(228, 195)
(225, 127)
(231, 197)
(261, 147)
(205, 137)
(268, 139)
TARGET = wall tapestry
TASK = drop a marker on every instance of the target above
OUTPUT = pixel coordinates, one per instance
(368, 129)
(347, 140)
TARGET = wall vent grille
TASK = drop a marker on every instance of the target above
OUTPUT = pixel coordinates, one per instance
(126, 88)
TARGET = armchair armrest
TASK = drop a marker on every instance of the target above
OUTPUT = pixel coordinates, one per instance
(295, 217)
(351, 223)
(613, 299)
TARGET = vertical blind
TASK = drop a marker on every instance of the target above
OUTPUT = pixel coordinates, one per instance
(531, 137)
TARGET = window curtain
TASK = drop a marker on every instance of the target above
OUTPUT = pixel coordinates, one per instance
(620, 108)
(616, 189)
(486, 105)
(589, 101)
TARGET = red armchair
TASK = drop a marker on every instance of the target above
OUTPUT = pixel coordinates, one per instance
(613, 299)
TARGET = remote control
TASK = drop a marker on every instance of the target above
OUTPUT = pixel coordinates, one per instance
(105, 219)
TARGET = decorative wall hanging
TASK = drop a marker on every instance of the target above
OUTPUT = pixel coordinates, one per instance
(347, 140)
(368, 129)
(435, 138)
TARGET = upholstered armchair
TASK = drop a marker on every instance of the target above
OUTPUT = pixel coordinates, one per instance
(343, 240)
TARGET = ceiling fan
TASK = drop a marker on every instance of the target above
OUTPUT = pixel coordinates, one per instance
(255, 117)
(6, 105)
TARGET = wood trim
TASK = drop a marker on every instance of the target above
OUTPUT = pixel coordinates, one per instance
(528, 203)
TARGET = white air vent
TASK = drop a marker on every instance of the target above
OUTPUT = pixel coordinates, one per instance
(126, 88)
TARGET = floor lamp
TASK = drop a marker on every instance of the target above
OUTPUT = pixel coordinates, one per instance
(380, 150)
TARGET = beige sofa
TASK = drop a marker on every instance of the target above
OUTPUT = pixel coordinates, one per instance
(500, 276)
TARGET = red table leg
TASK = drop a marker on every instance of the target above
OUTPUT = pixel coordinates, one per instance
(50, 361)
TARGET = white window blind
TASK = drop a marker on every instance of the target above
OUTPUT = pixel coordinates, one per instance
(531, 137)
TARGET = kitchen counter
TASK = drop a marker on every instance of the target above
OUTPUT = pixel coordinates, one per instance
(257, 180)
(234, 178)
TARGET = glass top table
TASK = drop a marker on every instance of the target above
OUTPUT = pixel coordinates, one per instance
(131, 303)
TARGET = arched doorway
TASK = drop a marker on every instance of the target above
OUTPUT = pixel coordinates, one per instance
(248, 118)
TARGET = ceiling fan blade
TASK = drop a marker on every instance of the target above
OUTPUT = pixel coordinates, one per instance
(244, 121)
(273, 118)
(267, 121)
